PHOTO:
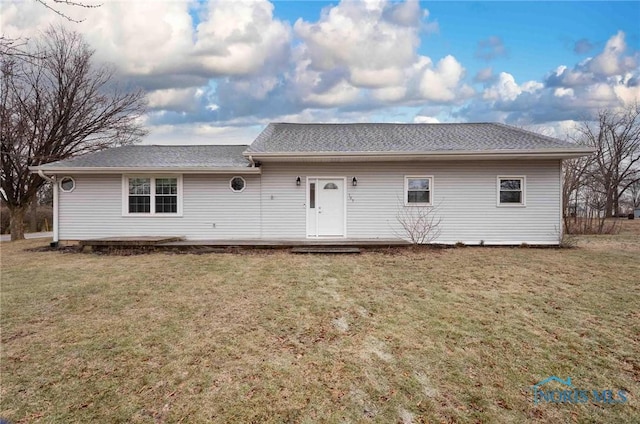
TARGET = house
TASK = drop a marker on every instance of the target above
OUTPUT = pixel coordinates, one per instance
(486, 183)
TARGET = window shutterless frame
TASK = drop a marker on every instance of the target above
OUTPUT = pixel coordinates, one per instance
(67, 184)
(237, 184)
(158, 196)
(415, 189)
(507, 189)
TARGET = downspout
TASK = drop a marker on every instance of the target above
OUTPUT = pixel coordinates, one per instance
(54, 182)
(253, 165)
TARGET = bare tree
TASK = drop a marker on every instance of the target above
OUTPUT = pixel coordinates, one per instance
(616, 167)
(420, 224)
(634, 194)
(574, 173)
(54, 105)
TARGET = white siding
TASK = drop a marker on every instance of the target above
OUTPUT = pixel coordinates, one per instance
(273, 207)
(465, 194)
(94, 209)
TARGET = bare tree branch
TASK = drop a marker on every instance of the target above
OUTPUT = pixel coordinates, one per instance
(10, 46)
(69, 3)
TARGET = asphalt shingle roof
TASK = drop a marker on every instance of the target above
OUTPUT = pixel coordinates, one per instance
(278, 138)
(140, 156)
(409, 138)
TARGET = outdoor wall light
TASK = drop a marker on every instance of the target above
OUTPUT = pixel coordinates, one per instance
(298, 181)
(354, 182)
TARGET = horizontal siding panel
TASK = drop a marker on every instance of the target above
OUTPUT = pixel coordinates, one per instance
(273, 207)
(465, 193)
(94, 209)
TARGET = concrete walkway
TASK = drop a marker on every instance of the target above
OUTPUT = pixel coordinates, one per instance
(45, 234)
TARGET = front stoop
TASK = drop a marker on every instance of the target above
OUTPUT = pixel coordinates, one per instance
(326, 250)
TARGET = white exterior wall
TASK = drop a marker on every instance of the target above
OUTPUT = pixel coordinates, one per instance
(465, 193)
(273, 207)
(94, 210)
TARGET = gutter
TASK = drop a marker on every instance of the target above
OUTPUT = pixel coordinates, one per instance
(139, 170)
(436, 155)
(56, 207)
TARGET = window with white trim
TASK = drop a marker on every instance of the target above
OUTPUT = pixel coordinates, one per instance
(152, 195)
(511, 191)
(418, 190)
(166, 200)
(237, 184)
(67, 184)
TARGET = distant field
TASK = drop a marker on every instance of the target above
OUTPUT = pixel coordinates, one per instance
(453, 335)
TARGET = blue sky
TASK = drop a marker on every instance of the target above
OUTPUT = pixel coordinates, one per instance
(219, 70)
(538, 36)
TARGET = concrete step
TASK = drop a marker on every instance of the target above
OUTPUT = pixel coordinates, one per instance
(326, 250)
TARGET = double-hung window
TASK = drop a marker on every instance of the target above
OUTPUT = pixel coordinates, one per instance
(418, 190)
(152, 195)
(166, 200)
(511, 191)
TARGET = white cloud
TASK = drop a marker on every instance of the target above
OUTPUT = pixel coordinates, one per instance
(390, 94)
(504, 89)
(181, 100)
(201, 133)
(419, 119)
(158, 37)
(611, 60)
(366, 52)
(562, 92)
(372, 78)
(440, 83)
(558, 129)
(601, 93)
(340, 94)
(607, 81)
(221, 62)
(627, 94)
(357, 36)
(239, 37)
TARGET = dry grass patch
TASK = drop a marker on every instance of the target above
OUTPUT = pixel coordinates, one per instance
(457, 335)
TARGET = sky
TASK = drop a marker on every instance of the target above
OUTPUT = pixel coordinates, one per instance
(219, 71)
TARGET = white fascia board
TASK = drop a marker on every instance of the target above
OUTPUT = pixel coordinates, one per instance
(403, 156)
(145, 170)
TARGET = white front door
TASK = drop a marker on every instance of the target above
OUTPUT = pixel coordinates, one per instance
(325, 207)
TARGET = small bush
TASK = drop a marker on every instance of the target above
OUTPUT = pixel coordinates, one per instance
(587, 226)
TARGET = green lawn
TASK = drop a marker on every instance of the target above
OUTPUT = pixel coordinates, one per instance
(453, 335)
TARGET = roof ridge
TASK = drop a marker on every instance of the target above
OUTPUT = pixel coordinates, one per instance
(353, 137)
(384, 123)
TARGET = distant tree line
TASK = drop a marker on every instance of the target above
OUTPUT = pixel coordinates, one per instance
(607, 183)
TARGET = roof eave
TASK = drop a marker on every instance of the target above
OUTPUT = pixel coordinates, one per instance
(436, 155)
(145, 170)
